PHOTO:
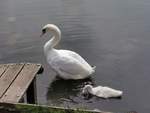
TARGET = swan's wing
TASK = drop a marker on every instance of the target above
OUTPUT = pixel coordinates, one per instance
(109, 92)
(77, 57)
(106, 92)
(69, 65)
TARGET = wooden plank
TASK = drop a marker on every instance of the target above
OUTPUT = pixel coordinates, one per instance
(30, 108)
(3, 68)
(21, 83)
(8, 77)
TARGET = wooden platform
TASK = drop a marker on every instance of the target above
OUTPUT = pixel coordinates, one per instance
(16, 79)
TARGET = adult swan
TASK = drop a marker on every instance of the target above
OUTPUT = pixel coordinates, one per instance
(66, 63)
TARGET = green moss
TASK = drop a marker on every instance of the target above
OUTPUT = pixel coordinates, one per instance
(42, 109)
(31, 109)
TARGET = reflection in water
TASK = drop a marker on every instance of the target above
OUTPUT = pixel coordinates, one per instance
(61, 90)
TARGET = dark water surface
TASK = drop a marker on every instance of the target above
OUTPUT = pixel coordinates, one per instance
(114, 35)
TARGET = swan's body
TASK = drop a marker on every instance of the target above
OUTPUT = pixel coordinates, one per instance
(101, 91)
(68, 64)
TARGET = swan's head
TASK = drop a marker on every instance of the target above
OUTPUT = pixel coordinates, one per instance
(87, 89)
(52, 28)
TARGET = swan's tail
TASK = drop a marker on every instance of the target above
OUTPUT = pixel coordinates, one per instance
(93, 68)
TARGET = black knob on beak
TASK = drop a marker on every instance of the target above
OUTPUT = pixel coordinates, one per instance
(43, 32)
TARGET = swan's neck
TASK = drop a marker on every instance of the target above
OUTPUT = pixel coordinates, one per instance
(88, 89)
(53, 41)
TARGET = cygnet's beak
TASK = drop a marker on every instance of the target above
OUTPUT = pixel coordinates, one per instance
(86, 95)
(84, 92)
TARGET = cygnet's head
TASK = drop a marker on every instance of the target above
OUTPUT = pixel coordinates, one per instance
(87, 89)
(52, 28)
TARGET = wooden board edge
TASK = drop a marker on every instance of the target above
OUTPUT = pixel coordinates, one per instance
(41, 69)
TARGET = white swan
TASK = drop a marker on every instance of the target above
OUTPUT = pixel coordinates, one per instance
(101, 91)
(68, 64)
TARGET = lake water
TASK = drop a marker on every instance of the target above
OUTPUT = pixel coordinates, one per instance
(114, 35)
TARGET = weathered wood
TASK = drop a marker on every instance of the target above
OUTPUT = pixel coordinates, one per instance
(29, 108)
(8, 77)
(3, 69)
(21, 83)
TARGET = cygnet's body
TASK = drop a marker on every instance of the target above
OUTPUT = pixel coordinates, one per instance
(67, 64)
(101, 91)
